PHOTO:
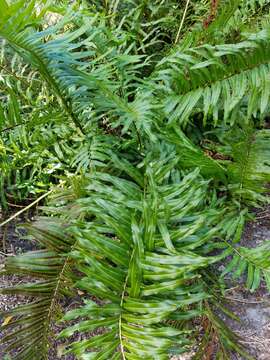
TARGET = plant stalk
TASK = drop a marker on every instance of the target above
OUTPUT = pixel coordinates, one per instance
(182, 23)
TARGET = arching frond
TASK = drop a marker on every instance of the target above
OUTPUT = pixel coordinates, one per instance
(29, 329)
(215, 80)
(74, 65)
(191, 156)
(138, 254)
(254, 262)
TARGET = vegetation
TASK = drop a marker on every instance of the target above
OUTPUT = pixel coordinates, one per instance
(147, 125)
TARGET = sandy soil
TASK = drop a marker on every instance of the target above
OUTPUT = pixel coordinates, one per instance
(252, 309)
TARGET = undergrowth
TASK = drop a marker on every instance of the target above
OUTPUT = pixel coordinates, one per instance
(144, 124)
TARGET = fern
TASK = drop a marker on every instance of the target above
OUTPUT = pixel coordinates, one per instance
(29, 329)
(253, 262)
(151, 255)
(212, 79)
(76, 88)
(159, 152)
(251, 169)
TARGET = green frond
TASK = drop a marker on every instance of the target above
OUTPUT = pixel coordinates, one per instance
(250, 171)
(215, 80)
(142, 283)
(29, 329)
(254, 262)
(81, 79)
(192, 156)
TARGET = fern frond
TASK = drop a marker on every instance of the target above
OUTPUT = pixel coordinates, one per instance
(215, 80)
(250, 171)
(135, 253)
(29, 330)
(252, 261)
(66, 69)
(191, 156)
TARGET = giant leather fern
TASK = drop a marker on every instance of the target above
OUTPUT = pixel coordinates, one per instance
(141, 257)
(153, 196)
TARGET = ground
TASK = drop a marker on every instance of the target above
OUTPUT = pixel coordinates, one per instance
(252, 309)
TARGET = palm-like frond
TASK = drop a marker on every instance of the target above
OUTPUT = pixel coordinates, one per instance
(250, 171)
(215, 80)
(192, 156)
(212, 79)
(254, 262)
(34, 148)
(81, 67)
(30, 327)
(139, 254)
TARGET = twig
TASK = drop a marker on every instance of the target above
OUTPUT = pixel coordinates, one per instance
(14, 75)
(232, 288)
(263, 217)
(15, 205)
(246, 301)
(4, 246)
(5, 254)
(12, 127)
(182, 23)
(26, 208)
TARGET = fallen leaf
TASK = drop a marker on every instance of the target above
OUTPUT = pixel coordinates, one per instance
(6, 320)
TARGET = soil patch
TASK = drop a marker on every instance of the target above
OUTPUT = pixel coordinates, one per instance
(253, 309)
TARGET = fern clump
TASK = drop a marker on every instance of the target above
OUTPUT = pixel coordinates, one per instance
(148, 131)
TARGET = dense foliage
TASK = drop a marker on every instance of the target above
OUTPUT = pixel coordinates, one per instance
(147, 125)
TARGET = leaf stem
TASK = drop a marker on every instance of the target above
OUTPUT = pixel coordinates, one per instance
(55, 297)
(120, 320)
(25, 208)
(121, 305)
(246, 258)
(182, 23)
